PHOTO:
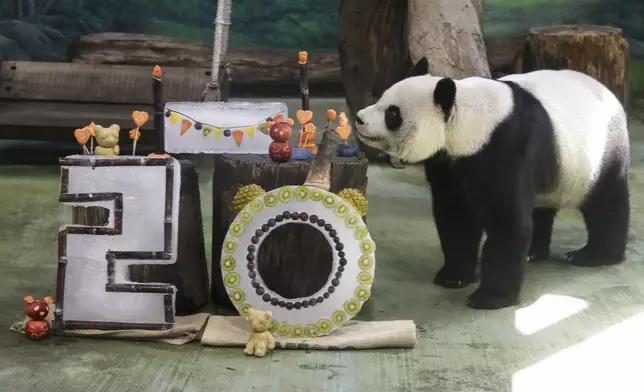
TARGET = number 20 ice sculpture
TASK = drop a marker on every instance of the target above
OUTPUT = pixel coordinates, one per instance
(142, 195)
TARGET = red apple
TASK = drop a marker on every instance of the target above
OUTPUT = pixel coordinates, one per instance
(279, 151)
(37, 329)
(281, 131)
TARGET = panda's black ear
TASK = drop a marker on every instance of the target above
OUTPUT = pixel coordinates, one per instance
(444, 95)
(421, 67)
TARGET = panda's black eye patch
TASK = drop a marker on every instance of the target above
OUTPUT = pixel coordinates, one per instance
(393, 119)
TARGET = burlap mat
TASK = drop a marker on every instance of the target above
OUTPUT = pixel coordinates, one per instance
(235, 330)
(186, 329)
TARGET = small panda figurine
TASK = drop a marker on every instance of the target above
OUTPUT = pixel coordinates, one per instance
(502, 156)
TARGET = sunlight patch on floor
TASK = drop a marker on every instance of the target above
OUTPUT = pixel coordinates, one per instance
(546, 311)
(609, 361)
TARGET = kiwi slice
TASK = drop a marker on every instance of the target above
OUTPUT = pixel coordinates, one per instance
(311, 331)
(272, 327)
(297, 331)
(243, 309)
(270, 200)
(352, 306)
(342, 210)
(236, 229)
(365, 277)
(227, 263)
(230, 245)
(367, 246)
(351, 221)
(286, 194)
(360, 233)
(324, 325)
(339, 318)
(237, 296)
(283, 328)
(329, 201)
(301, 193)
(365, 262)
(246, 215)
(231, 279)
(316, 195)
(362, 293)
(256, 205)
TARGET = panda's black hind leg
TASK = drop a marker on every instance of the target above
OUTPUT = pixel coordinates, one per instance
(606, 213)
(542, 220)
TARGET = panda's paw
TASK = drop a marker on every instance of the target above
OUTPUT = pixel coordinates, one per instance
(484, 299)
(535, 256)
(585, 258)
(450, 279)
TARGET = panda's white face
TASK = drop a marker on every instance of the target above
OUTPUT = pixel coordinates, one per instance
(406, 123)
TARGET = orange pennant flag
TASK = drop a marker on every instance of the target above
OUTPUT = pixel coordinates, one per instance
(185, 125)
(238, 135)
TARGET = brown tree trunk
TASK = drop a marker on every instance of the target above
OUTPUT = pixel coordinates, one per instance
(373, 53)
(598, 51)
(296, 261)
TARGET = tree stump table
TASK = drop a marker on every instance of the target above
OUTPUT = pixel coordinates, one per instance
(190, 272)
(598, 51)
(295, 262)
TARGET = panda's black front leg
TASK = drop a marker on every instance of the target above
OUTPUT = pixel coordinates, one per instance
(506, 210)
(459, 230)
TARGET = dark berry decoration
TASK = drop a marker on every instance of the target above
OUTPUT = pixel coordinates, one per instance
(326, 295)
(343, 261)
(341, 254)
(333, 233)
(168, 114)
(227, 132)
(260, 291)
(336, 239)
(265, 228)
(305, 304)
(198, 126)
(314, 218)
(254, 240)
(331, 289)
(340, 268)
(339, 246)
(320, 299)
(252, 274)
(338, 274)
(304, 216)
(255, 283)
(313, 302)
(286, 215)
(289, 305)
(279, 218)
(272, 222)
(251, 266)
(321, 222)
(251, 248)
(295, 215)
(259, 233)
(266, 297)
(275, 301)
(297, 305)
(335, 282)
(250, 257)
(268, 119)
(328, 227)
(282, 304)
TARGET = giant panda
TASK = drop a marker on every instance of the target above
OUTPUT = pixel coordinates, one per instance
(502, 156)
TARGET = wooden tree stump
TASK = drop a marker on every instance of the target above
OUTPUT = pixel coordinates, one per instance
(598, 51)
(190, 272)
(307, 256)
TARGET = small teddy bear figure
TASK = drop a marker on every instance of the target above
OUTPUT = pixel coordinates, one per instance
(260, 338)
(107, 139)
(38, 327)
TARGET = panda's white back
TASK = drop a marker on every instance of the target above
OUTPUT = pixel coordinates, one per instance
(589, 125)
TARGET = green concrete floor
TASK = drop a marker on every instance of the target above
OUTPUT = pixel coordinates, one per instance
(585, 332)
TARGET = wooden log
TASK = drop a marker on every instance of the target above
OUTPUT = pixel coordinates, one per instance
(306, 255)
(190, 272)
(598, 51)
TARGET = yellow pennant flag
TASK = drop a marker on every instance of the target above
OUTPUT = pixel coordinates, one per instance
(174, 118)
(218, 132)
(250, 131)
